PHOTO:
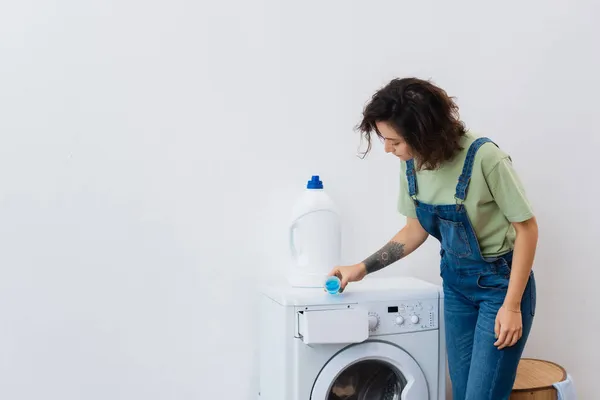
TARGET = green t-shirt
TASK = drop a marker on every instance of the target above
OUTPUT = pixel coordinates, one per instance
(495, 196)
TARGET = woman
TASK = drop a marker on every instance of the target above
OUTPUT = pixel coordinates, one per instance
(463, 191)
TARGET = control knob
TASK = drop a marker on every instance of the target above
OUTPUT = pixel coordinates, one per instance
(414, 319)
(399, 320)
(373, 321)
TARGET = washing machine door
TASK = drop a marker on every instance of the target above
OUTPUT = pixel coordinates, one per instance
(371, 371)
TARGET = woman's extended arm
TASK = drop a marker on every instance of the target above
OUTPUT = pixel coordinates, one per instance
(509, 320)
(402, 244)
(407, 240)
(522, 262)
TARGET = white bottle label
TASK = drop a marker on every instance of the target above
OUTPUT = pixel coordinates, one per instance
(316, 243)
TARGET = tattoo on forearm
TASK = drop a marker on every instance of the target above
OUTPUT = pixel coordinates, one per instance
(388, 254)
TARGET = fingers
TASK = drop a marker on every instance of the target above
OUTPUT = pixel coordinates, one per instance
(336, 272)
(346, 274)
(511, 339)
(344, 280)
(517, 335)
(508, 337)
(497, 328)
(501, 338)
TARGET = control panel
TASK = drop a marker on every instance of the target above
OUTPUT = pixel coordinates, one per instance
(408, 316)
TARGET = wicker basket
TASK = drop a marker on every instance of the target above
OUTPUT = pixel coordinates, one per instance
(535, 380)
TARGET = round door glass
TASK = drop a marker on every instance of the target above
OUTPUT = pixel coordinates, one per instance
(368, 380)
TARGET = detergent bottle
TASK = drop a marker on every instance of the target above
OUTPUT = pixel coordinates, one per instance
(315, 236)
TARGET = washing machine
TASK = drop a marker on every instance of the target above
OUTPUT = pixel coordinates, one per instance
(383, 338)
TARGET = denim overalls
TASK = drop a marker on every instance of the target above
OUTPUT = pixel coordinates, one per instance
(474, 289)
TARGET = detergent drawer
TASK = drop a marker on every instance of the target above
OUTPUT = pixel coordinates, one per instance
(346, 324)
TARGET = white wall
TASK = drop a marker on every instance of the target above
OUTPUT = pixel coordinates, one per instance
(145, 174)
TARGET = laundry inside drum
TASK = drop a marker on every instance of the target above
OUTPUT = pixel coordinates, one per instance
(368, 380)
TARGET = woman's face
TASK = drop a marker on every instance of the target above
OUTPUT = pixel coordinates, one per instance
(393, 142)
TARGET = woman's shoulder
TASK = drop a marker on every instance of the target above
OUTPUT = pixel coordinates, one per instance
(489, 154)
(489, 150)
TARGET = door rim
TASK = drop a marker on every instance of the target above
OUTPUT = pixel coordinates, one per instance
(388, 353)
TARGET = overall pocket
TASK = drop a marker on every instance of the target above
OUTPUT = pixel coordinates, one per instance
(454, 238)
(495, 279)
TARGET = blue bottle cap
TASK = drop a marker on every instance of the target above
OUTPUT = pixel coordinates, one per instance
(333, 285)
(314, 183)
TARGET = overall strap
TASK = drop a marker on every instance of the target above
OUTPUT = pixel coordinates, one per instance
(412, 178)
(465, 177)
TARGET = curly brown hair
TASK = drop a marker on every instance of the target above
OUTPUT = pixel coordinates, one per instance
(422, 113)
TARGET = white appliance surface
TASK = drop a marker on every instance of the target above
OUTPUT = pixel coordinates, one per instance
(368, 290)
